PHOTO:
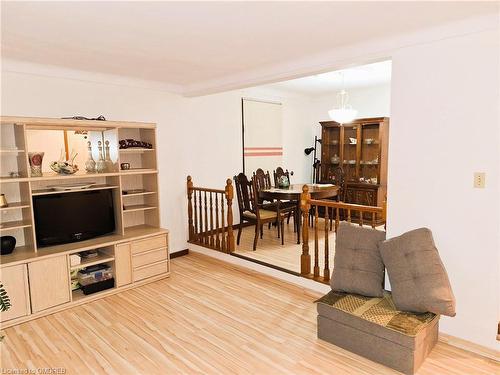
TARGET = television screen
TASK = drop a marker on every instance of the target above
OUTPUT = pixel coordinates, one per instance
(71, 217)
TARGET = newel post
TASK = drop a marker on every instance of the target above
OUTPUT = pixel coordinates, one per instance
(229, 198)
(190, 207)
(305, 206)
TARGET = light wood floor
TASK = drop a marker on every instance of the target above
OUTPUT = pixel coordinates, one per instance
(208, 318)
(287, 256)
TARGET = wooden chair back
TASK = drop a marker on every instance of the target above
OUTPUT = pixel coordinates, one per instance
(278, 173)
(262, 179)
(246, 194)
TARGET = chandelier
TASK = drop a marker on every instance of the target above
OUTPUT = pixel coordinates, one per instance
(343, 113)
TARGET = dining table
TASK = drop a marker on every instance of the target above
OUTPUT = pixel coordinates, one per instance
(292, 193)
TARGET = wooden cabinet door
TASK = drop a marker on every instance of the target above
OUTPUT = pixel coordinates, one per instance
(15, 282)
(49, 282)
(123, 264)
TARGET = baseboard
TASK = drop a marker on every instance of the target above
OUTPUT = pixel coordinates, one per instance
(179, 253)
(470, 346)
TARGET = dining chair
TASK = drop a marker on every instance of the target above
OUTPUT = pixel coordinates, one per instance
(263, 180)
(253, 212)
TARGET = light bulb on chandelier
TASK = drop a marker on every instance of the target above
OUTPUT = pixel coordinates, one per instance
(344, 113)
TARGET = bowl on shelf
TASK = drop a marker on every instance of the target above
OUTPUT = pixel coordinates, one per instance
(63, 167)
(352, 141)
(7, 244)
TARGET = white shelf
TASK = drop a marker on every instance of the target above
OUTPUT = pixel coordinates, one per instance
(138, 194)
(15, 206)
(11, 225)
(137, 171)
(135, 150)
(51, 191)
(10, 151)
(101, 258)
(138, 207)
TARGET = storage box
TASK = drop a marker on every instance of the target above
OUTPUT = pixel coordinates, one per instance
(374, 329)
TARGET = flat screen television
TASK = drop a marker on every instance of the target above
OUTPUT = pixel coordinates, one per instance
(70, 217)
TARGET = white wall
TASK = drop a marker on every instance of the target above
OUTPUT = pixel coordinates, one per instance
(444, 126)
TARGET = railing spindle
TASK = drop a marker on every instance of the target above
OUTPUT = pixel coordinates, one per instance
(348, 215)
(212, 239)
(190, 208)
(337, 219)
(206, 218)
(217, 228)
(316, 243)
(229, 199)
(361, 218)
(326, 271)
(223, 239)
(200, 217)
(305, 258)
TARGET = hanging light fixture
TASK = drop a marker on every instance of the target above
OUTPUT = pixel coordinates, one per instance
(344, 113)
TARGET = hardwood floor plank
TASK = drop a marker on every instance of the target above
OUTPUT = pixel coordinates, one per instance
(209, 317)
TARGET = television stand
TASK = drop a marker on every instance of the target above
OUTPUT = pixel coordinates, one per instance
(39, 280)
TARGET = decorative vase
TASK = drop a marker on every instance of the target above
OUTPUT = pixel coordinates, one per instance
(3, 201)
(101, 164)
(7, 244)
(283, 182)
(36, 159)
(90, 163)
(107, 158)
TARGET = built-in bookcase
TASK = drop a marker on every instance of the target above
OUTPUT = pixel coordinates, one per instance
(134, 210)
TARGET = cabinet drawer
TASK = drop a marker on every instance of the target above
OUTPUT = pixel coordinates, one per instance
(149, 244)
(150, 270)
(148, 257)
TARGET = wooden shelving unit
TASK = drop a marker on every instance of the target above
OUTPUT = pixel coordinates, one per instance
(137, 216)
(141, 209)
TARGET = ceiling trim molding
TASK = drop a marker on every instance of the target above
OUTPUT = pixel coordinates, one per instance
(339, 58)
(342, 58)
(54, 71)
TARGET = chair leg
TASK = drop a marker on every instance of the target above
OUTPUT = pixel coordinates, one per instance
(239, 234)
(261, 231)
(288, 219)
(278, 227)
(282, 231)
(256, 237)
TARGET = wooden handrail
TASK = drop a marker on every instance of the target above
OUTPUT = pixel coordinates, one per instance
(208, 223)
(333, 213)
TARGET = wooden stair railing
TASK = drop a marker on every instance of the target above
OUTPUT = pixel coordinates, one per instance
(210, 216)
(333, 213)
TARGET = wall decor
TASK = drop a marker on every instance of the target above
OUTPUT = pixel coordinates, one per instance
(3, 201)
(7, 244)
(35, 159)
(131, 143)
(65, 166)
(90, 163)
(101, 163)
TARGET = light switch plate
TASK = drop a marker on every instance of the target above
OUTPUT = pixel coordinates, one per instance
(479, 180)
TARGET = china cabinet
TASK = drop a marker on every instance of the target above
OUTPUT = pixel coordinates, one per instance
(360, 149)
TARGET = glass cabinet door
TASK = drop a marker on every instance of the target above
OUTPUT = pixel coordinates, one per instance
(330, 146)
(370, 154)
(349, 162)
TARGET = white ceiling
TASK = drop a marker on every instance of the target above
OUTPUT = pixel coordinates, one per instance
(327, 83)
(187, 43)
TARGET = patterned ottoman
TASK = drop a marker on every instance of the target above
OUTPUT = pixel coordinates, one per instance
(373, 328)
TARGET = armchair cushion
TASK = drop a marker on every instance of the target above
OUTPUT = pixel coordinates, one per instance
(358, 266)
(418, 278)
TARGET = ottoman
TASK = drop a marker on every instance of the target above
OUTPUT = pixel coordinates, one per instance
(374, 329)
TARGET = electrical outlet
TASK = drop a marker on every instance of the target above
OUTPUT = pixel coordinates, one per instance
(479, 180)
